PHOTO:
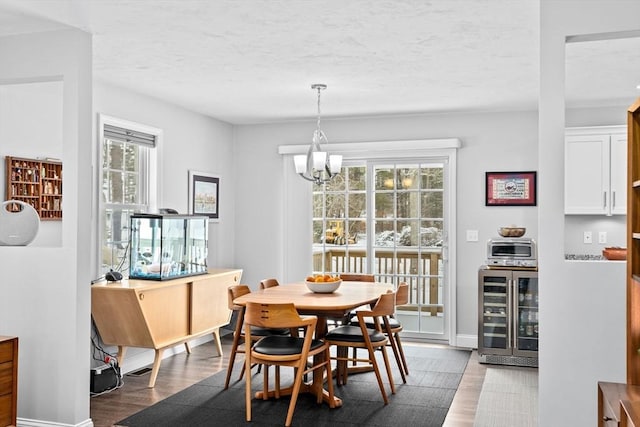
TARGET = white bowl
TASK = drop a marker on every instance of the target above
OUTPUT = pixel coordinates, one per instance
(323, 287)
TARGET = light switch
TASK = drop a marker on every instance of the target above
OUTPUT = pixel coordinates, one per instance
(602, 237)
(472, 235)
(588, 237)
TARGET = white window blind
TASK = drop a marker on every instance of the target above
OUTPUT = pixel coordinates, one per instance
(116, 133)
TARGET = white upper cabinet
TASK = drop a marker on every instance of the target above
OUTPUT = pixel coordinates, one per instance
(595, 173)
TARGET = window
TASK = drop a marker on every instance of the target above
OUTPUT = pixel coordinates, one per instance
(128, 175)
(340, 222)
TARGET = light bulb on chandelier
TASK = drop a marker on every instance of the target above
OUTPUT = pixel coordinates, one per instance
(318, 165)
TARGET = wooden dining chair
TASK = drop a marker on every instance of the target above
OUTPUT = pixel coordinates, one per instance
(348, 336)
(359, 277)
(352, 277)
(392, 329)
(234, 292)
(402, 298)
(268, 283)
(285, 351)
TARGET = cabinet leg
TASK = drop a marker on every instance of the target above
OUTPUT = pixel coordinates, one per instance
(121, 352)
(156, 367)
(216, 337)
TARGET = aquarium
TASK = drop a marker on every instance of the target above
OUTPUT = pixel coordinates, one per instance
(167, 246)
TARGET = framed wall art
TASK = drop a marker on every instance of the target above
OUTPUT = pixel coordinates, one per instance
(510, 189)
(204, 195)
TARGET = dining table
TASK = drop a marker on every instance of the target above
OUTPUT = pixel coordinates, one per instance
(334, 305)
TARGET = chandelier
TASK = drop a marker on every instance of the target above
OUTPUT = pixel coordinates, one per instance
(318, 165)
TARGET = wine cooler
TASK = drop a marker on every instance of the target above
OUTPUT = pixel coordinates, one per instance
(508, 317)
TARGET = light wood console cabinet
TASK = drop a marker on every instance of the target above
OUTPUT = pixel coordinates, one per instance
(8, 380)
(159, 315)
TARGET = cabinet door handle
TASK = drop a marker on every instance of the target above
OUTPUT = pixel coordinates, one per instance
(605, 419)
(141, 296)
(513, 328)
(613, 199)
(604, 200)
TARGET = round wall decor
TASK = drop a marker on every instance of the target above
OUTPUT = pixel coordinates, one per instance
(19, 223)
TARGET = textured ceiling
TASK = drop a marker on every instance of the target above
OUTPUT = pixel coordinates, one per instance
(250, 61)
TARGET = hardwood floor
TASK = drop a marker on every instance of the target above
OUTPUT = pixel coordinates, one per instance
(180, 371)
(463, 408)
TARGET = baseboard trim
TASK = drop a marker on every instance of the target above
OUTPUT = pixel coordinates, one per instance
(26, 422)
(467, 341)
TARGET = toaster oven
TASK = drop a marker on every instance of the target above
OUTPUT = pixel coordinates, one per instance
(512, 252)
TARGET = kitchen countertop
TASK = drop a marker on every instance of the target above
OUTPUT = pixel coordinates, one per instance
(586, 257)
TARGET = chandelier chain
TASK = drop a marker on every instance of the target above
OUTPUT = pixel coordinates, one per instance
(318, 123)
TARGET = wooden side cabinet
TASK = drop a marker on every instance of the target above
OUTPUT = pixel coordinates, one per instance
(159, 315)
(610, 398)
(8, 380)
(629, 414)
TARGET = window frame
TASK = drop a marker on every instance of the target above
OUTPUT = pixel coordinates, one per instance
(296, 252)
(150, 174)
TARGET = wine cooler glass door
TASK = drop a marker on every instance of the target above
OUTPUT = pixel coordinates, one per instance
(526, 286)
(495, 332)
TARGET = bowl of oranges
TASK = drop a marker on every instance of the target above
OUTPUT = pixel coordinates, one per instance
(323, 283)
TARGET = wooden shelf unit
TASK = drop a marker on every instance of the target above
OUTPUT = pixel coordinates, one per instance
(633, 245)
(619, 404)
(8, 380)
(36, 182)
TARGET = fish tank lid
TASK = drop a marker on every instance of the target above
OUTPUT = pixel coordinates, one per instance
(169, 216)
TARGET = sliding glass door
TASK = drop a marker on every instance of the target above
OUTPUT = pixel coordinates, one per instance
(388, 218)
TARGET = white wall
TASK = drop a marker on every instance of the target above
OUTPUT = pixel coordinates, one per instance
(581, 347)
(31, 127)
(190, 141)
(490, 142)
(45, 298)
(575, 225)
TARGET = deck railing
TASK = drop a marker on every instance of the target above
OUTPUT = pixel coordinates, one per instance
(422, 271)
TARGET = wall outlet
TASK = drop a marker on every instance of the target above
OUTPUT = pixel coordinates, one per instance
(472, 235)
(588, 237)
(602, 237)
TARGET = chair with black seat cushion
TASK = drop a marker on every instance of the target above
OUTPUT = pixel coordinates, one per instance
(285, 351)
(233, 292)
(357, 277)
(393, 331)
(268, 283)
(350, 336)
(402, 298)
(352, 277)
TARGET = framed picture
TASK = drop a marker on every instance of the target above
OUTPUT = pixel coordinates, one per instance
(510, 189)
(204, 195)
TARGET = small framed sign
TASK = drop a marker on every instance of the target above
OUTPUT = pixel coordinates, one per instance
(204, 195)
(510, 189)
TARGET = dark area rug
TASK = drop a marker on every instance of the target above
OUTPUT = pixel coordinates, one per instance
(423, 401)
